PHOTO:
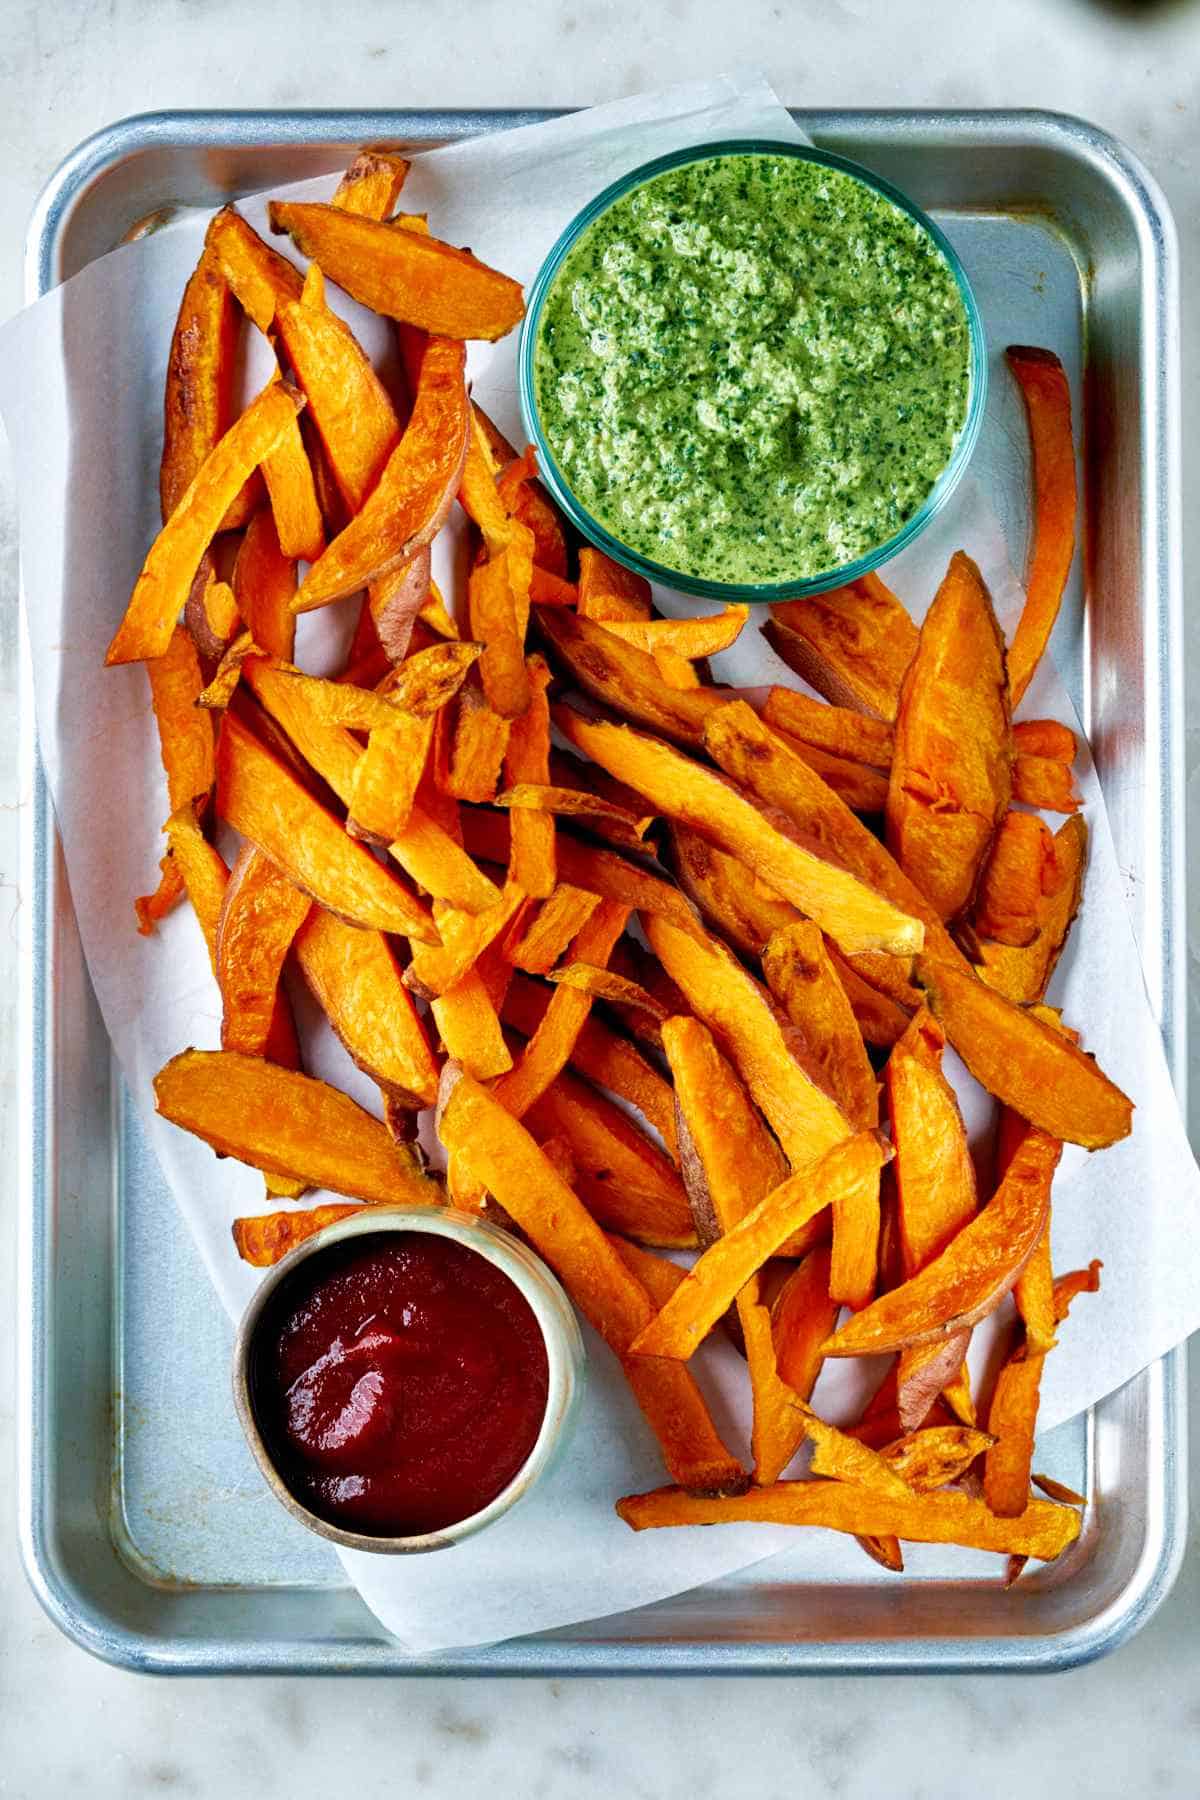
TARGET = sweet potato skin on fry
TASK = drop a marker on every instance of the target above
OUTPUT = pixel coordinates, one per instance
(198, 401)
(853, 644)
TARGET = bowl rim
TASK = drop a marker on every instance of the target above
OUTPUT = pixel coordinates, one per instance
(534, 1280)
(734, 591)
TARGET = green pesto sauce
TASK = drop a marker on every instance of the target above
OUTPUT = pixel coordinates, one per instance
(753, 368)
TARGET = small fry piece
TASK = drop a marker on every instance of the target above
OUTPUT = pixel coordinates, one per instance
(1058, 1490)
(1043, 383)
(267, 1239)
(854, 915)
(357, 981)
(406, 275)
(1045, 737)
(951, 775)
(518, 487)
(975, 1271)
(608, 591)
(1043, 782)
(481, 740)
(437, 968)
(210, 613)
(202, 870)
(1043, 1530)
(836, 729)
(936, 1456)
(527, 760)
(1023, 974)
(690, 638)
(935, 1177)
(386, 778)
(802, 977)
(264, 586)
(802, 1317)
(1024, 1063)
(853, 644)
(1018, 870)
(170, 568)
(1067, 1288)
(288, 1124)
(726, 1266)
(566, 911)
(293, 494)
(265, 802)
(504, 1156)
(410, 501)
(260, 916)
(371, 185)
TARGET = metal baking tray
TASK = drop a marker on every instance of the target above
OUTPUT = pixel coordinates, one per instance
(146, 1532)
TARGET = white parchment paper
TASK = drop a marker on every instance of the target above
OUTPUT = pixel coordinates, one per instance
(81, 376)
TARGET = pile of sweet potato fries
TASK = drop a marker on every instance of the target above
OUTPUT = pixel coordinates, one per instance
(824, 888)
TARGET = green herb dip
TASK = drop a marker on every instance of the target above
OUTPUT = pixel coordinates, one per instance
(752, 368)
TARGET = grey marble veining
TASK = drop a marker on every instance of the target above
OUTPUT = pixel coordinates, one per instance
(1130, 1726)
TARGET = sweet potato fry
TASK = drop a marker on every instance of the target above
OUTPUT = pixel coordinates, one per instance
(258, 275)
(198, 402)
(405, 275)
(923, 1371)
(507, 1160)
(951, 775)
(260, 916)
(288, 1124)
(436, 968)
(481, 740)
(266, 1240)
(202, 870)
(935, 1177)
(836, 729)
(357, 981)
(1012, 1421)
(210, 612)
(604, 984)
(864, 790)
(936, 1456)
(1043, 383)
(1067, 1288)
(293, 495)
(975, 1271)
(396, 601)
(802, 1317)
(854, 915)
(608, 591)
(1019, 869)
(264, 586)
(371, 185)
(627, 819)
(527, 760)
(623, 1179)
(852, 644)
(758, 760)
(743, 911)
(1034, 1292)
(1043, 1529)
(802, 977)
(1045, 737)
(528, 502)
(435, 861)
(163, 586)
(414, 492)
(1042, 782)
(570, 803)
(557, 922)
(882, 1020)
(1023, 974)
(1024, 1063)
(264, 801)
(623, 677)
(691, 638)
(659, 1277)
(469, 1028)
(187, 747)
(720, 1274)
(386, 778)
(1058, 1490)
(844, 1458)
(498, 608)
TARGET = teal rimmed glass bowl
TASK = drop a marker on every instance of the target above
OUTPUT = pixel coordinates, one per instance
(732, 590)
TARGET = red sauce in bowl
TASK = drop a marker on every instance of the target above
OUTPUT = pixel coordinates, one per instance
(399, 1382)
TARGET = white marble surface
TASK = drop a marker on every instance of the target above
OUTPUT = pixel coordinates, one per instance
(1129, 1726)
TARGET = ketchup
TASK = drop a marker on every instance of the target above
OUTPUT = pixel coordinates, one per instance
(399, 1382)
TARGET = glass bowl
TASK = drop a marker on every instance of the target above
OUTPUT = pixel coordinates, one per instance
(620, 552)
(550, 1307)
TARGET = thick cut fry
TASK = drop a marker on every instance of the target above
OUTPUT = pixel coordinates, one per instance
(744, 911)
(735, 1008)
(610, 1061)
(1045, 737)
(432, 858)
(802, 977)
(864, 790)
(729, 1164)
(951, 775)
(465, 936)
(267, 1239)
(406, 275)
(165, 581)
(852, 644)
(1025, 1063)
(1023, 974)
(623, 1179)
(371, 185)
(198, 402)
(835, 729)
(410, 501)
(469, 1028)
(1041, 781)
(608, 591)
(935, 1177)
(1043, 1529)
(288, 1124)
(481, 740)
(550, 1048)
(1020, 868)
(264, 586)
(349, 405)
(723, 1270)
(1047, 397)
(975, 1271)
(560, 917)
(1012, 1421)
(260, 916)
(526, 760)
(262, 799)
(802, 1317)
(690, 638)
(758, 760)
(603, 872)
(258, 275)
(625, 678)
(605, 984)
(854, 915)
(357, 981)
(386, 778)
(293, 494)
(507, 1160)
(498, 608)
(882, 1020)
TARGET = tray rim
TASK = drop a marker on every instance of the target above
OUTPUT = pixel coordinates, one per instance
(1163, 1551)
